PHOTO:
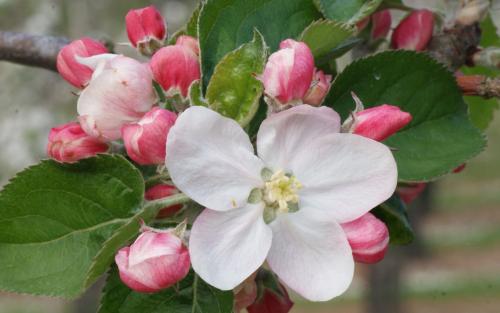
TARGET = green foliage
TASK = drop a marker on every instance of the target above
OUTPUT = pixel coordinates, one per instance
(195, 95)
(393, 214)
(440, 137)
(350, 11)
(224, 25)
(325, 36)
(233, 90)
(191, 295)
(62, 223)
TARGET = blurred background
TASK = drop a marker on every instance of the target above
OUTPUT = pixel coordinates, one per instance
(454, 265)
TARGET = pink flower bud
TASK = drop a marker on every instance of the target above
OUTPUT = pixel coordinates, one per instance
(121, 91)
(380, 122)
(146, 29)
(163, 191)
(155, 261)
(368, 237)
(381, 24)
(272, 301)
(68, 143)
(319, 89)
(414, 32)
(288, 73)
(410, 192)
(175, 68)
(70, 69)
(245, 294)
(189, 42)
(146, 139)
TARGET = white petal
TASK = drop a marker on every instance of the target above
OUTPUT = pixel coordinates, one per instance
(227, 247)
(311, 256)
(210, 159)
(344, 175)
(283, 135)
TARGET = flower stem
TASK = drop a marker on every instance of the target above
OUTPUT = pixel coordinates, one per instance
(156, 205)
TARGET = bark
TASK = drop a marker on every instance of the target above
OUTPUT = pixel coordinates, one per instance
(31, 50)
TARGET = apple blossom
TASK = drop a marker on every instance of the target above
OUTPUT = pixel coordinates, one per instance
(162, 191)
(319, 89)
(245, 294)
(146, 29)
(288, 73)
(71, 70)
(189, 42)
(155, 261)
(68, 143)
(175, 68)
(145, 140)
(284, 206)
(121, 91)
(414, 32)
(368, 237)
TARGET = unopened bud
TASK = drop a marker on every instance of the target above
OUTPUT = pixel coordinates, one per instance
(381, 24)
(189, 42)
(414, 32)
(368, 237)
(146, 29)
(155, 261)
(245, 294)
(409, 192)
(145, 140)
(162, 191)
(272, 301)
(288, 73)
(319, 89)
(68, 143)
(71, 70)
(175, 68)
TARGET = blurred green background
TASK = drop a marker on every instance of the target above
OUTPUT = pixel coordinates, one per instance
(454, 267)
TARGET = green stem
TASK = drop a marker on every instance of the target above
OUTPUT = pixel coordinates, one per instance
(152, 207)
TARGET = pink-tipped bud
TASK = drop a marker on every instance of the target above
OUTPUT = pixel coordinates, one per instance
(189, 42)
(155, 261)
(146, 29)
(68, 143)
(289, 72)
(379, 122)
(68, 66)
(381, 24)
(319, 89)
(368, 237)
(410, 192)
(414, 32)
(163, 191)
(175, 68)
(146, 140)
(120, 92)
(272, 301)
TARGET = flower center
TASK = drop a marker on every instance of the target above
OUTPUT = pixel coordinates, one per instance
(280, 194)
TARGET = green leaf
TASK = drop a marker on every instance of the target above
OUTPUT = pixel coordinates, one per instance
(192, 24)
(191, 295)
(393, 214)
(324, 36)
(440, 137)
(225, 25)
(233, 90)
(195, 95)
(350, 11)
(62, 223)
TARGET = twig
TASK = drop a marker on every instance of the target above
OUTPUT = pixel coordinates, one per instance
(479, 85)
(29, 49)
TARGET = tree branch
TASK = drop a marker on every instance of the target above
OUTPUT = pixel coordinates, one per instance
(479, 85)
(29, 49)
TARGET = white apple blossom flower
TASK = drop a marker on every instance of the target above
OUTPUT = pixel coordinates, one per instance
(284, 205)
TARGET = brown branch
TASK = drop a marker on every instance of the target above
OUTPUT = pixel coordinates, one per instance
(32, 50)
(479, 85)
